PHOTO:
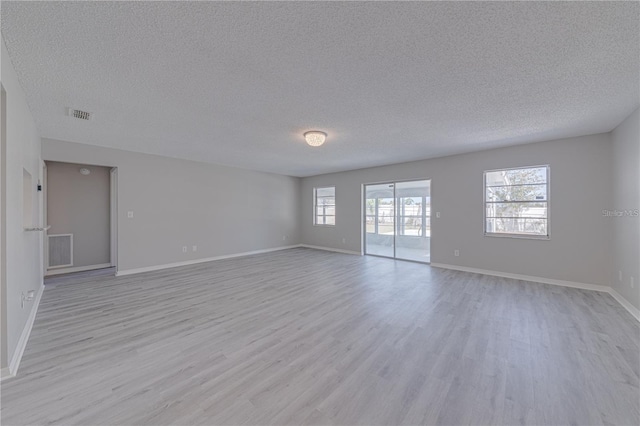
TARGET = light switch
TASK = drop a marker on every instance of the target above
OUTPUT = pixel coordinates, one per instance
(438, 214)
(130, 214)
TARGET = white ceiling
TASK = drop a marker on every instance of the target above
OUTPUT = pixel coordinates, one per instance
(238, 83)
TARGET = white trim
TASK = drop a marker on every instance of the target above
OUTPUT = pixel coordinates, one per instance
(518, 236)
(45, 239)
(113, 215)
(551, 281)
(76, 269)
(121, 273)
(593, 287)
(5, 374)
(14, 364)
(330, 249)
(226, 256)
(625, 303)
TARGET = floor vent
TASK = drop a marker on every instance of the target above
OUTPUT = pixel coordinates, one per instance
(60, 250)
(82, 115)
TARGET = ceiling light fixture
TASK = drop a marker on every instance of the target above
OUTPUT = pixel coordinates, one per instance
(315, 137)
(82, 115)
(84, 171)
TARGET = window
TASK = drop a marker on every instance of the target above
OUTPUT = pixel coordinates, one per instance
(324, 206)
(517, 202)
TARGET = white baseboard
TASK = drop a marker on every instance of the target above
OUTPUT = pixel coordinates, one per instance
(551, 281)
(625, 303)
(226, 256)
(14, 364)
(594, 287)
(4, 373)
(195, 261)
(330, 249)
(76, 269)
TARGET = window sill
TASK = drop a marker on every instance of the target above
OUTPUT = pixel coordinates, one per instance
(518, 236)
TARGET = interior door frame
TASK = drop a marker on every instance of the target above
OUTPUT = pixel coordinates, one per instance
(44, 220)
(395, 213)
(4, 355)
(113, 217)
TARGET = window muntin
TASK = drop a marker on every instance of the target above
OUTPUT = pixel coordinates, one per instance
(324, 202)
(517, 202)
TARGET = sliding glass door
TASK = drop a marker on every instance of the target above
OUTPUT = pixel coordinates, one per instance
(380, 220)
(397, 218)
(413, 237)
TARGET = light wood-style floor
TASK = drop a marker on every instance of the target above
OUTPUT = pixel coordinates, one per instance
(311, 337)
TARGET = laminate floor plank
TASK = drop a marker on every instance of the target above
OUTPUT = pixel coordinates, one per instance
(307, 337)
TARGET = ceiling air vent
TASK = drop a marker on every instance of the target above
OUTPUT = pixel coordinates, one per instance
(82, 115)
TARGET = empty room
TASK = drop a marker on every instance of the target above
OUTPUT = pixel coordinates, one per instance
(320, 213)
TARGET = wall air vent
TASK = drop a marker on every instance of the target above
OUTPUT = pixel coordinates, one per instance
(60, 252)
(82, 115)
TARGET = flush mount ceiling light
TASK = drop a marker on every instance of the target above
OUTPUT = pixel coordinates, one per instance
(84, 171)
(315, 137)
(76, 113)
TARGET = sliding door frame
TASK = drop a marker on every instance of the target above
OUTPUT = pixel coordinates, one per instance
(364, 218)
(395, 217)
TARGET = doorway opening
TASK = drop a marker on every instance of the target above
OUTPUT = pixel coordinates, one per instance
(397, 220)
(81, 218)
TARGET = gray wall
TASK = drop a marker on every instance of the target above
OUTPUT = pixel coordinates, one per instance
(626, 196)
(579, 248)
(221, 210)
(79, 205)
(22, 250)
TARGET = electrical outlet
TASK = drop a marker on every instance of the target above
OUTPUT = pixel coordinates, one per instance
(284, 238)
(31, 294)
(631, 283)
(194, 248)
(456, 253)
(130, 214)
(620, 276)
(344, 241)
(184, 249)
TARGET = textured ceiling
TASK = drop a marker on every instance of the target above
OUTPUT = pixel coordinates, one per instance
(238, 83)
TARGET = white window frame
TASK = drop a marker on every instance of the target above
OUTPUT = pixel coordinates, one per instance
(315, 206)
(511, 235)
